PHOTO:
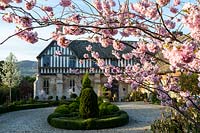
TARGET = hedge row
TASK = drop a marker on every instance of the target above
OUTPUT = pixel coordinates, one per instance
(11, 108)
(59, 121)
(15, 106)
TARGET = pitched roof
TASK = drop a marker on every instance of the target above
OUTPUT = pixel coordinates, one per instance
(79, 48)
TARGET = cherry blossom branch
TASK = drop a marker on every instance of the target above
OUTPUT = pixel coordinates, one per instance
(36, 27)
(162, 20)
(198, 108)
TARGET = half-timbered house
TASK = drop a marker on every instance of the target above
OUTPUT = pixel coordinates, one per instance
(60, 75)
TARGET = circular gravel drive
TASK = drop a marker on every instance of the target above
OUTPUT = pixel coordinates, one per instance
(35, 120)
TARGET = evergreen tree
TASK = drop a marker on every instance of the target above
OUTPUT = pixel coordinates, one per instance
(86, 83)
(88, 107)
(88, 104)
(10, 75)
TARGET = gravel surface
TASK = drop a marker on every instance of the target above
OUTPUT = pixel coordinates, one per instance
(35, 120)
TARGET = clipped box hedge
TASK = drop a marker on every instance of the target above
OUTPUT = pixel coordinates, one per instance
(60, 121)
(10, 108)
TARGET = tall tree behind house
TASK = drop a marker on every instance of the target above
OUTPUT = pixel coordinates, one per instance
(10, 74)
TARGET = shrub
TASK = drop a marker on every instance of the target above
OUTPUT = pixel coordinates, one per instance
(62, 109)
(189, 82)
(107, 108)
(103, 110)
(88, 104)
(73, 95)
(36, 98)
(50, 97)
(176, 123)
(100, 100)
(112, 108)
(136, 96)
(121, 118)
(74, 107)
(54, 103)
(57, 98)
(30, 101)
(53, 115)
(61, 102)
(21, 102)
(63, 98)
(154, 99)
(14, 107)
(86, 82)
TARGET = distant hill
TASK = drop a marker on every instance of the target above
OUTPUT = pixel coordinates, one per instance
(27, 68)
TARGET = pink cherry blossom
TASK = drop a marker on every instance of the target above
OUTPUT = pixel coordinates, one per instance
(170, 24)
(162, 2)
(112, 3)
(97, 4)
(95, 55)
(185, 94)
(7, 18)
(177, 2)
(81, 61)
(160, 36)
(29, 36)
(2, 7)
(105, 42)
(4, 2)
(152, 47)
(116, 54)
(173, 9)
(65, 3)
(58, 53)
(127, 56)
(63, 42)
(22, 21)
(107, 85)
(29, 5)
(118, 45)
(134, 85)
(189, 103)
(47, 8)
(89, 48)
(76, 18)
(18, 1)
(100, 62)
(86, 56)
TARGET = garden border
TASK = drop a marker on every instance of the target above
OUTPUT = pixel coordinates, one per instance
(59, 121)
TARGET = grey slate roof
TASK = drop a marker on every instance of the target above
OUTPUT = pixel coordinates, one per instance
(79, 48)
